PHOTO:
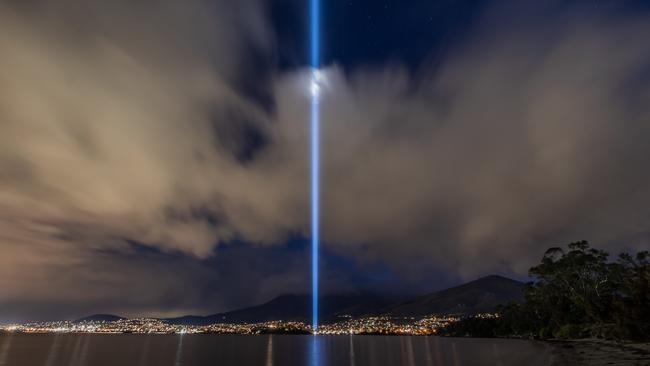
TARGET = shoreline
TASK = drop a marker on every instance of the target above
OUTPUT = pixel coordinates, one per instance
(599, 352)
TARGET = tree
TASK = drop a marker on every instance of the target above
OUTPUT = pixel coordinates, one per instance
(573, 287)
(578, 293)
(632, 302)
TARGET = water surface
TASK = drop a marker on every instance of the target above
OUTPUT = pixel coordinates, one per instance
(278, 350)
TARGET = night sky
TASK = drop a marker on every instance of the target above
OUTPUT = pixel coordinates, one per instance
(154, 155)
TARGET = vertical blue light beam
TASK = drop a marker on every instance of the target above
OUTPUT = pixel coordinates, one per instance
(315, 154)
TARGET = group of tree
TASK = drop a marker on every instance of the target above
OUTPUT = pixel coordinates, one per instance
(575, 293)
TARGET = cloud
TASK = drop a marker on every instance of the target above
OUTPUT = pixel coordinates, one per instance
(113, 119)
(125, 123)
(119, 124)
(526, 137)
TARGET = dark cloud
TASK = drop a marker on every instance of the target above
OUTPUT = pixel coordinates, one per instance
(134, 145)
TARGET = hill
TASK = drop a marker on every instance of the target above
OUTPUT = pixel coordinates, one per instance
(481, 295)
(298, 307)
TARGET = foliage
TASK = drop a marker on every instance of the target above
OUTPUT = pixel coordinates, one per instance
(631, 306)
(473, 327)
(576, 293)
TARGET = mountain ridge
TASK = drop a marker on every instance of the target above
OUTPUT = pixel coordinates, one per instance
(481, 295)
(297, 308)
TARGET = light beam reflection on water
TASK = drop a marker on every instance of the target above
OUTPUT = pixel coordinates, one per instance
(316, 351)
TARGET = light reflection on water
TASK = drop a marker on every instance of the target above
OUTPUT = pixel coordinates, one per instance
(269, 352)
(316, 351)
(4, 349)
(145, 352)
(226, 350)
(454, 354)
(53, 353)
(427, 352)
(80, 351)
(352, 363)
(179, 350)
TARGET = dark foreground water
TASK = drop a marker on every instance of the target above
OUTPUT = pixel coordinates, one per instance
(278, 350)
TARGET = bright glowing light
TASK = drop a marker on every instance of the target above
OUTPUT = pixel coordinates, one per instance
(315, 89)
(316, 84)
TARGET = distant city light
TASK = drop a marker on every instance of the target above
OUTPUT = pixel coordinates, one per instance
(386, 325)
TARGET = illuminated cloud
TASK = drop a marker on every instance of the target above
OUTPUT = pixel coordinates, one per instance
(524, 139)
